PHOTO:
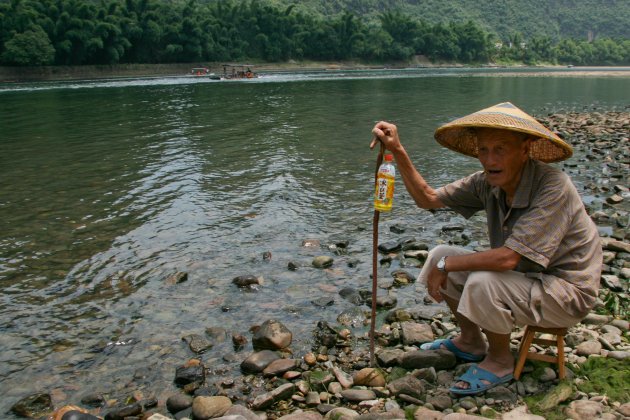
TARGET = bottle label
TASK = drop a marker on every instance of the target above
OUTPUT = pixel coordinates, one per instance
(383, 196)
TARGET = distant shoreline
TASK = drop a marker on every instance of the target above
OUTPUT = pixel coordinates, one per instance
(67, 73)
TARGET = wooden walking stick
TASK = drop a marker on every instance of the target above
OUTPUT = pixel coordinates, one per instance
(379, 160)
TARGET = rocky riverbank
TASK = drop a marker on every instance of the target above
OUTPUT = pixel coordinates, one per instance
(335, 381)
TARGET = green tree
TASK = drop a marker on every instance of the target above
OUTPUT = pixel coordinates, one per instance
(442, 43)
(472, 42)
(29, 48)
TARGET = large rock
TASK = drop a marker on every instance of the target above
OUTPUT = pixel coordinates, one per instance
(272, 335)
(190, 373)
(424, 413)
(279, 366)
(197, 343)
(357, 395)
(120, 413)
(246, 281)
(257, 362)
(341, 413)
(369, 377)
(283, 392)
(440, 359)
(322, 261)
(588, 348)
(178, 402)
(520, 413)
(584, 410)
(408, 385)
(389, 357)
(610, 244)
(239, 410)
(344, 378)
(414, 333)
(204, 408)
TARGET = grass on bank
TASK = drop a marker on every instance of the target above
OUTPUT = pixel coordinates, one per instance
(603, 376)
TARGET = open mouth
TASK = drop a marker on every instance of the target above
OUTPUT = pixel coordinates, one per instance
(493, 171)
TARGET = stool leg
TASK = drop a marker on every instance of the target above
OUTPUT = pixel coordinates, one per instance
(561, 372)
(526, 341)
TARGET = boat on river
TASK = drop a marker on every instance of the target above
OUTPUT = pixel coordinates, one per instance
(204, 72)
(238, 71)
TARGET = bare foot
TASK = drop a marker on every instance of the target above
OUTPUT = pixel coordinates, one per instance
(477, 348)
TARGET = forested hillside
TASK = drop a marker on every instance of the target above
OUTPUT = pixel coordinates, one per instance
(557, 19)
(78, 32)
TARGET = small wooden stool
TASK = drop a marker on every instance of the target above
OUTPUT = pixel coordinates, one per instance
(529, 337)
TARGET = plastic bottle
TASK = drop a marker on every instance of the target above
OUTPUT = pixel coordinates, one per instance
(384, 193)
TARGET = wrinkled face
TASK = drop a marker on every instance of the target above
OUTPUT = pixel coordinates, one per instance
(503, 155)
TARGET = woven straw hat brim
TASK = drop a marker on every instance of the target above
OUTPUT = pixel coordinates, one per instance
(458, 135)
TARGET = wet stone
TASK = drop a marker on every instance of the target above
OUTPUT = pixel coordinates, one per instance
(93, 400)
(197, 343)
(272, 335)
(33, 405)
(185, 375)
(386, 301)
(177, 278)
(322, 262)
(204, 408)
(323, 302)
(258, 361)
(279, 367)
(388, 247)
(246, 281)
(120, 413)
(403, 277)
(178, 402)
(351, 295)
(453, 228)
(216, 334)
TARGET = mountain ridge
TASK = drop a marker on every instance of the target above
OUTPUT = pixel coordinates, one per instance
(577, 19)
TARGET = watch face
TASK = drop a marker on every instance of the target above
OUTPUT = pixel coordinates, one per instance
(441, 264)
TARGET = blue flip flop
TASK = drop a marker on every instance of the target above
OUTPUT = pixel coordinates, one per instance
(448, 343)
(473, 376)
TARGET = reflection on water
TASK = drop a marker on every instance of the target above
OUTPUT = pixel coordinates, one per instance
(109, 187)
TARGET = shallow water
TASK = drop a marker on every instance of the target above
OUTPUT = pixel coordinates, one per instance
(107, 187)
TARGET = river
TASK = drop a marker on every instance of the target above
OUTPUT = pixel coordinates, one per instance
(108, 187)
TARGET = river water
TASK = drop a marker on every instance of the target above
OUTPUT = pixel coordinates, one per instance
(107, 187)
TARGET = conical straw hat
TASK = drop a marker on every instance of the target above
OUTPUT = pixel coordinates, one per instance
(458, 136)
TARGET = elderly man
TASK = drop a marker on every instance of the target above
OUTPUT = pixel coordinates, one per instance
(544, 264)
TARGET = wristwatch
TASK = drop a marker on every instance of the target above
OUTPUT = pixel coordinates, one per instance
(441, 265)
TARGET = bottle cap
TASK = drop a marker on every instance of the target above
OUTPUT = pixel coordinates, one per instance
(389, 158)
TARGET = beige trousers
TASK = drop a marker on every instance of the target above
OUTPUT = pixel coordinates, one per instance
(496, 301)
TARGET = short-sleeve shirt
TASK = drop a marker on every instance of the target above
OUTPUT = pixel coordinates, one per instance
(547, 225)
